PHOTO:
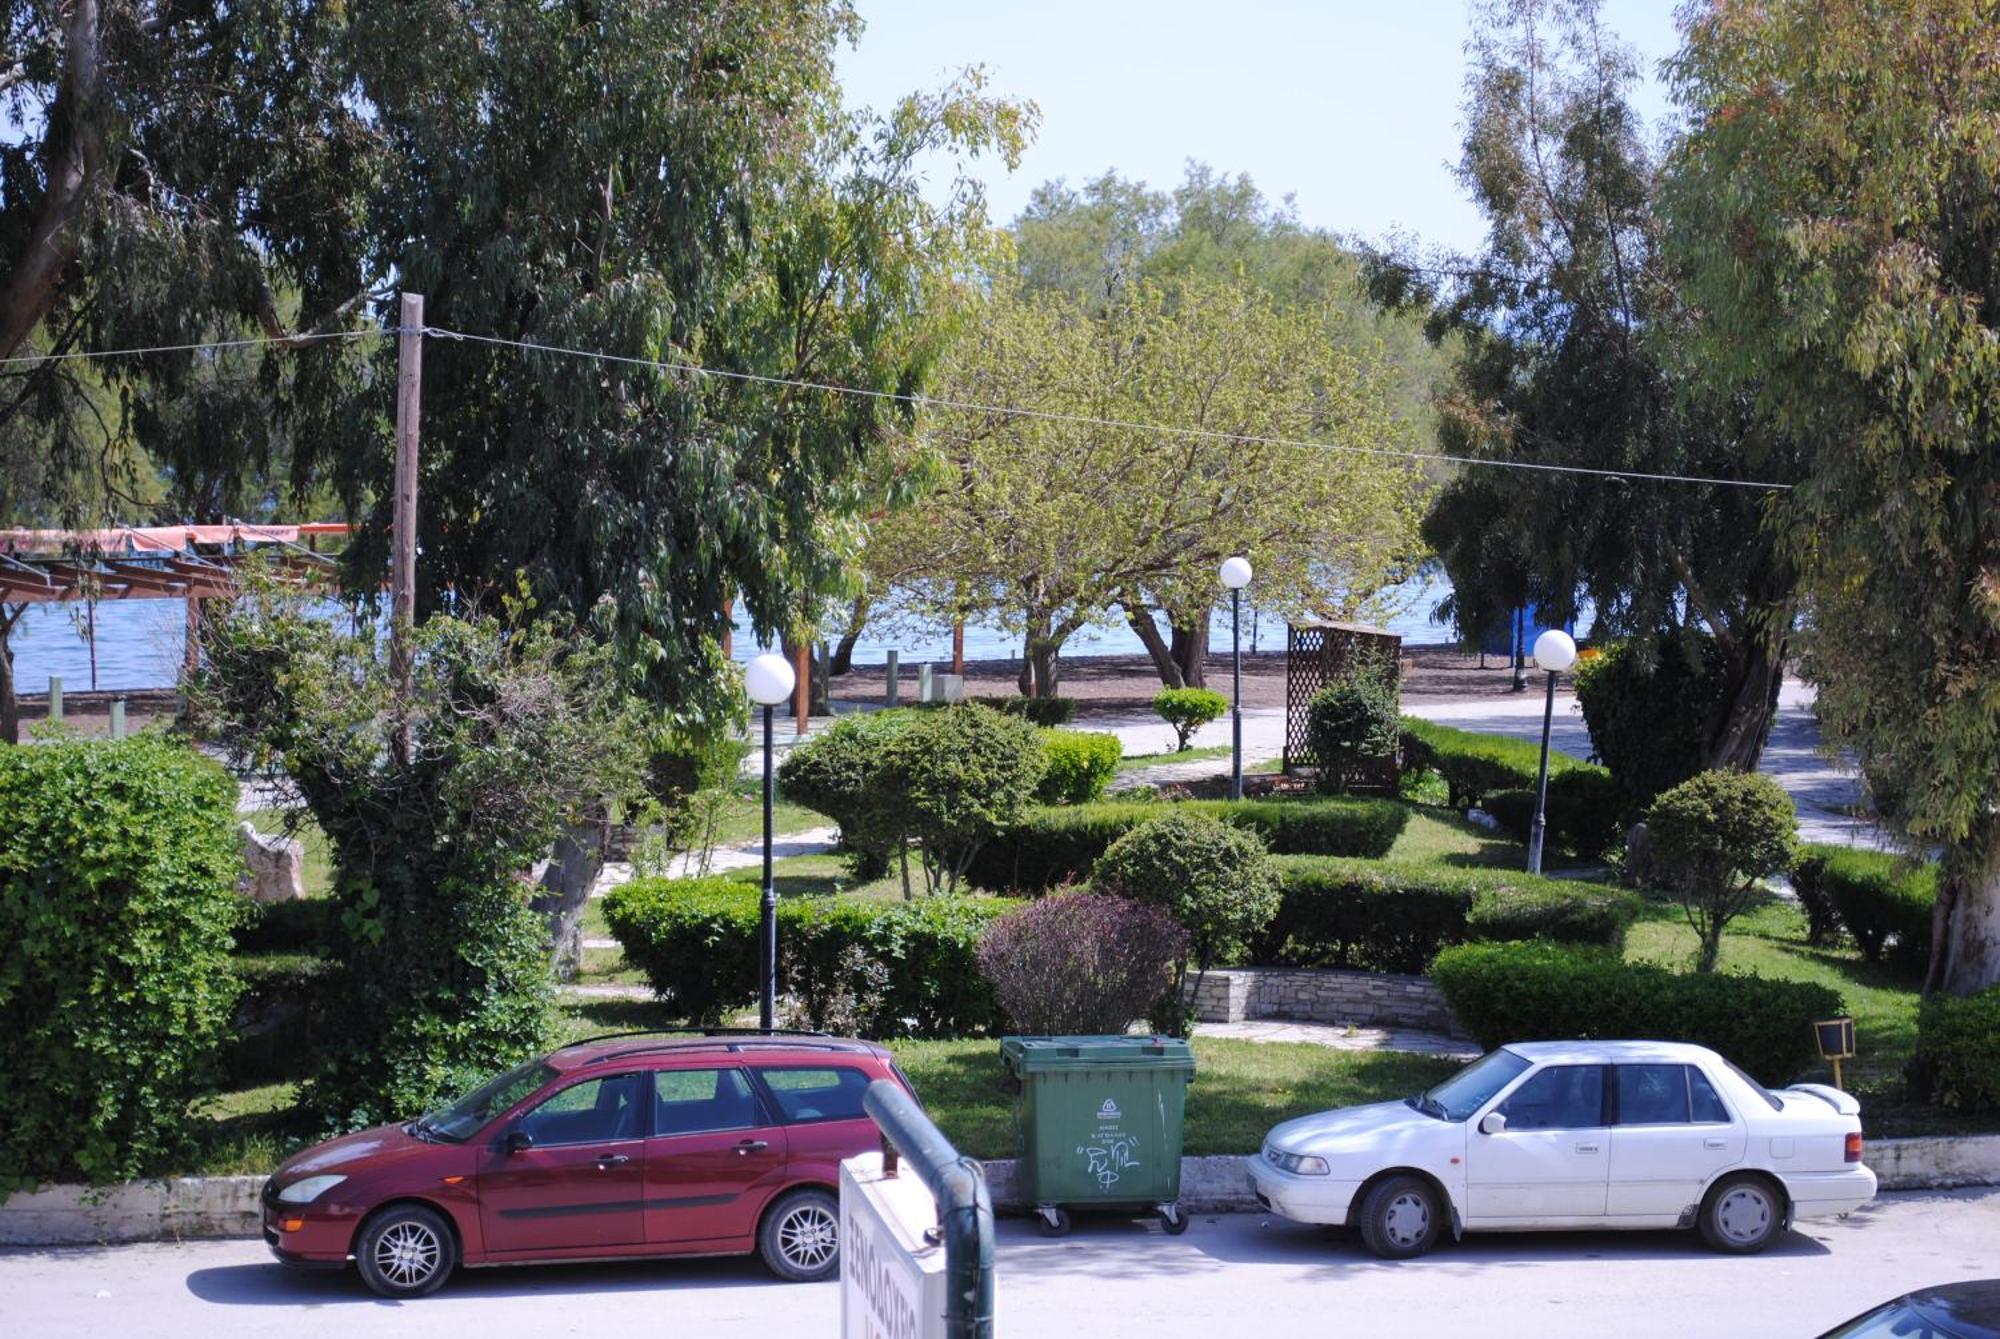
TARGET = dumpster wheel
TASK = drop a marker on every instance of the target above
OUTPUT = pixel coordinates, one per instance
(1051, 1220)
(1173, 1220)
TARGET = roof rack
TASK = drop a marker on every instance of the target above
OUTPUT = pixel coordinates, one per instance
(815, 1041)
(690, 1032)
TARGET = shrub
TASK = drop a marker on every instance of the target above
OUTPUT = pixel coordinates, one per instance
(1187, 710)
(1957, 1060)
(1048, 712)
(838, 773)
(118, 868)
(1080, 963)
(1077, 766)
(1050, 847)
(1650, 710)
(696, 941)
(1547, 992)
(1713, 838)
(1474, 765)
(1822, 921)
(1351, 730)
(273, 1034)
(302, 925)
(1218, 881)
(1884, 902)
(1583, 815)
(1396, 917)
(956, 778)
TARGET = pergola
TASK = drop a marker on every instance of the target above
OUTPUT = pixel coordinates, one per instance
(172, 562)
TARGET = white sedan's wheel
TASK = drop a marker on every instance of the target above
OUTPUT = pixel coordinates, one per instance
(1400, 1218)
(1742, 1215)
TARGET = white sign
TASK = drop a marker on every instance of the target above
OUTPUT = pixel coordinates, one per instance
(891, 1277)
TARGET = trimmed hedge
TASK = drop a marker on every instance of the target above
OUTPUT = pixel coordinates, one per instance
(1044, 711)
(1187, 710)
(1474, 765)
(1957, 1060)
(1822, 921)
(1077, 766)
(1053, 846)
(118, 869)
(1584, 817)
(1553, 992)
(1883, 901)
(1397, 917)
(696, 941)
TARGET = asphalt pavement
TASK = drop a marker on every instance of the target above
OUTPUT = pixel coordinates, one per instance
(1231, 1275)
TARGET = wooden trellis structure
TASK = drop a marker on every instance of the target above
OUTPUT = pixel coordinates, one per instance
(1317, 654)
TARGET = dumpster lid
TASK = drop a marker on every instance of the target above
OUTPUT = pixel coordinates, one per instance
(1034, 1054)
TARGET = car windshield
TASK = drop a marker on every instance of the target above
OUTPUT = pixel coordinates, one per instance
(463, 1118)
(1472, 1087)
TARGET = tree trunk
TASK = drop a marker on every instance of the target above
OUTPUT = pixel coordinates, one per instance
(843, 651)
(1141, 620)
(1190, 650)
(10, 710)
(1756, 672)
(566, 884)
(1043, 667)
(1966, 958)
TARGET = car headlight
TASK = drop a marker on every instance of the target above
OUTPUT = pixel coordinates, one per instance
(308, 1190)
(1298, 1164)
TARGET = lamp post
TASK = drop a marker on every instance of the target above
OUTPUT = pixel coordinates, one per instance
(1236, 575)
(769, 680)
(1555, 651)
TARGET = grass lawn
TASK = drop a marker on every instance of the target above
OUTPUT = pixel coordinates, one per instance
(317, 874)
(1132, 762)
(742, 821)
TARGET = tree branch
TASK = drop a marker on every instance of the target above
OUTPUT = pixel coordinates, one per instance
(1698, 597)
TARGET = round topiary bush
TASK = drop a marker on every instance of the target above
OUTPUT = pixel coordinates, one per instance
(1714, 837)
(956, 777)
(1216, 880)
(1187, 710)
(1351, 727)
(1081, 962)
(1077, 766)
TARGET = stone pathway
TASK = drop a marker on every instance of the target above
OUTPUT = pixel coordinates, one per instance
(747, 855)
(1339, 1038)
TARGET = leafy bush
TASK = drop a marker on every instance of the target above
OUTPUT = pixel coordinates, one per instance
(1048, 712)
(1050, 847)
(1822, 921)
(1713, 838)
(1884, 902)
(1552, 992)
(1396, 917)
(1077, 766)
(696, 941)
(1651, 709)
(956, 778)
(1351, 729)
(118, 868)
(1187, 710)
(838, 772)
(689, 778)
(1081, 963)
(1957, 1060)
(1583, 815)
(1474, 765)
(1218, 881)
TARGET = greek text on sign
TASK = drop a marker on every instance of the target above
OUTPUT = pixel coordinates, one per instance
(891, 1277)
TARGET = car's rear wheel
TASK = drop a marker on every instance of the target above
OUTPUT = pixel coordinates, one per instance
(406, 1251)
(1400, 1217)
(800, 1238)
(1742, 1215)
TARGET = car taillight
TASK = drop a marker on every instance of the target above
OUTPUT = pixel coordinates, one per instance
(1854, 1147)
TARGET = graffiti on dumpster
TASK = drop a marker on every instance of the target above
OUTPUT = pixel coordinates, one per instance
(1108, 1158)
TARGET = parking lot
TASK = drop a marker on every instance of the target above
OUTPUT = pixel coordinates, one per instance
(1233, 1274)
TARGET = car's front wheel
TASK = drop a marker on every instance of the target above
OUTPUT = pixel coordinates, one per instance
(1401, 1218)
(406, 1251)
(800, 1238)
(1742, 1215)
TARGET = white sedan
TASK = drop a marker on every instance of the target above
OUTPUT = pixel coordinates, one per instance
(1609, 1134)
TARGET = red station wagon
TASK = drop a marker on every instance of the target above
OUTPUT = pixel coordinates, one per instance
(638, 1144)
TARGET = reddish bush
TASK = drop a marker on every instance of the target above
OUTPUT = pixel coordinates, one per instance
(1081, 962)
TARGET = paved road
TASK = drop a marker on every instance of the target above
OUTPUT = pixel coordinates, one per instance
(1236, 1274)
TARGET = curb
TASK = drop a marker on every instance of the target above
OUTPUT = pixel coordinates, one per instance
(193, 1208)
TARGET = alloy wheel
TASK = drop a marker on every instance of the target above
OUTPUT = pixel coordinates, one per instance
(808, 1236)
(408, 1254)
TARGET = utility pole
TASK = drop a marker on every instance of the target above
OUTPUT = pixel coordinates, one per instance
(403, 532)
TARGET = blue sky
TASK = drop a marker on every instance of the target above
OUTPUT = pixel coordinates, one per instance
(1350, 105)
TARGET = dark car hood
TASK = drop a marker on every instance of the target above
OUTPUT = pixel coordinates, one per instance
(373, 1148)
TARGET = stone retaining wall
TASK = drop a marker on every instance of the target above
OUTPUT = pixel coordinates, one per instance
(1325, 995)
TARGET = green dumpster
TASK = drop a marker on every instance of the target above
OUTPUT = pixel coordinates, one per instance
(1097, 1121)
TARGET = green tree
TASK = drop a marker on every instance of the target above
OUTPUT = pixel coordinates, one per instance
(1836, 203)
(1715, 836)
(1572, 331)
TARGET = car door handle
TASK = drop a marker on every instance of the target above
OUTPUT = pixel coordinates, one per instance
(1715, 1143)
(749, 1146)
(614, 1160)
(1586, 1148)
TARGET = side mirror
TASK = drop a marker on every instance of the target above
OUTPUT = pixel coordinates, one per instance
(1492, 1123)
(518, 1141)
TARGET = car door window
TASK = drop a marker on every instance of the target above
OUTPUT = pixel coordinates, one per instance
(1707, 1104)
(594, 1111)
(802, 1095)
(697, 1101)
(1561, 1097)
(1652, 1095)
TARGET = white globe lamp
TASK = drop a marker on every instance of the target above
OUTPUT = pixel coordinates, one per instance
(1555, 650)
(769, 679)
(1236, 572)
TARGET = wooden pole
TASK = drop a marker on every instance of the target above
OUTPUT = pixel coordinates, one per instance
(729, 628)
(802, 663)
(403, 534)
(958, 647)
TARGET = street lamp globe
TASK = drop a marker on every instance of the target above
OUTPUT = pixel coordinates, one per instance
(769, 679)
(1236, 572)
(1555, 650)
